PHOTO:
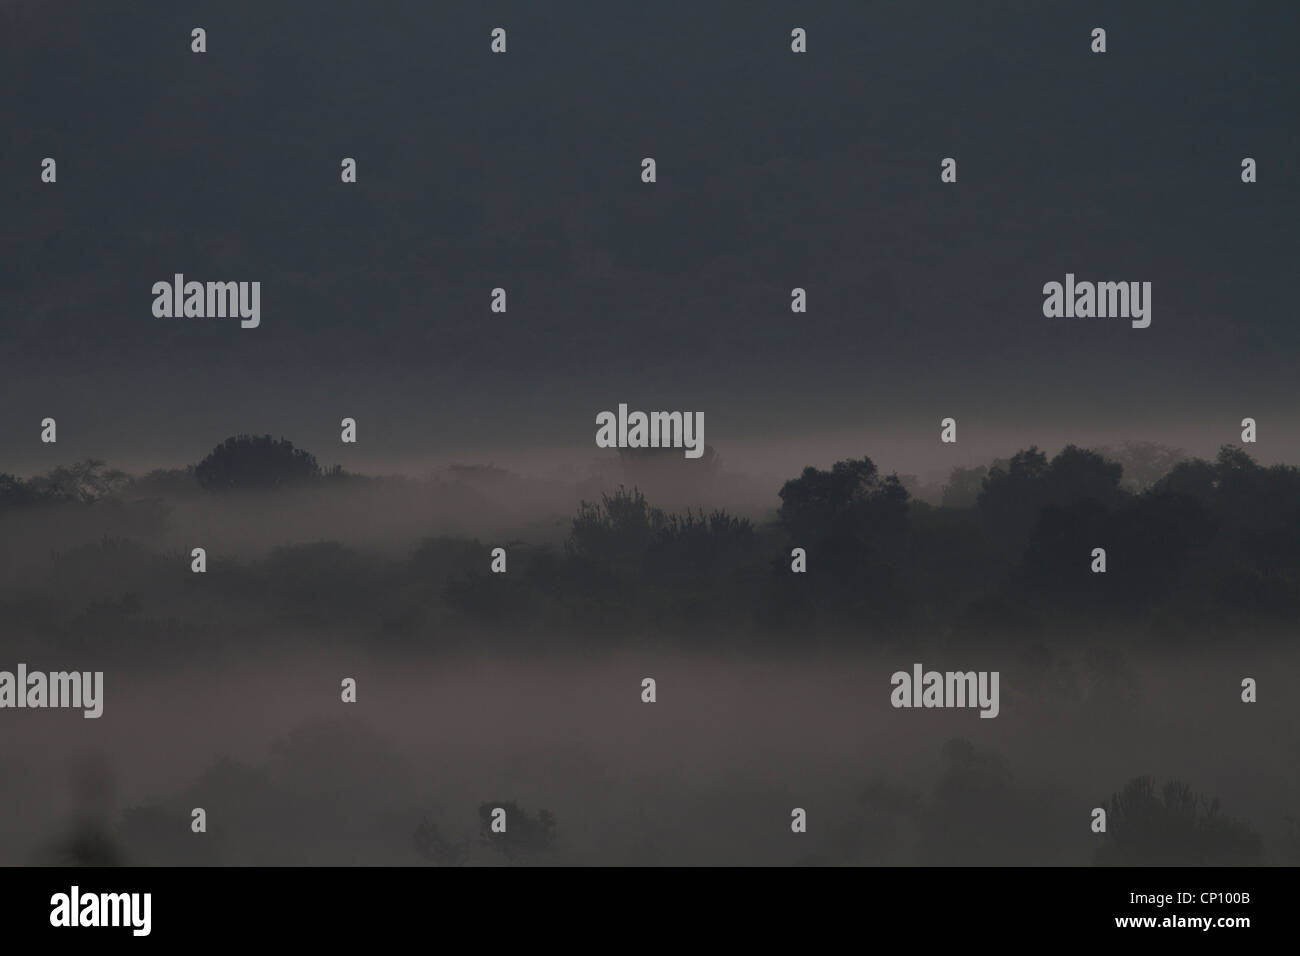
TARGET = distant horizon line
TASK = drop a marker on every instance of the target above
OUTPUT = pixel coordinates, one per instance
(576, 462)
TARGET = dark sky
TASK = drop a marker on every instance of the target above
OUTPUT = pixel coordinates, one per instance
(523, 171)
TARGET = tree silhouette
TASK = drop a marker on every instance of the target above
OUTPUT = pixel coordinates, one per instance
(668, 470)
(974, 785)
(1144, 462)
(1174, 827)
(525, 836)
(963, 487)
(851, 501)
(855, 523)
(89, 842)
(693, 546)
(16, 493)
(83, 481)
(247, 462)
(435, 848)
(1013, 496)
(618, 531)
(89, 839)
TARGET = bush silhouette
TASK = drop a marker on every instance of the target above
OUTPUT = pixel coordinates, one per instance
(617, 532)
(1174, 827)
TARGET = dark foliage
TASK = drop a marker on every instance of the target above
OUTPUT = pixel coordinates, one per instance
(1173, 827)
(249, 463)
(526, 837)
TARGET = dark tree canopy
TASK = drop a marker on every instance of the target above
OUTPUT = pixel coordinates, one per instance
(1013, 496)
(249, 462)
(852, 500)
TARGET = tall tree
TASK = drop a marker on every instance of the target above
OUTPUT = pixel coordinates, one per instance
(248, 462)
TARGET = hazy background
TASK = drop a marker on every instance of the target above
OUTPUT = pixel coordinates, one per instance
(476, 430)
(707, 775)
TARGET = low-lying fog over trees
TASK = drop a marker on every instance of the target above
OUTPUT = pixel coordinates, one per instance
(498, 629)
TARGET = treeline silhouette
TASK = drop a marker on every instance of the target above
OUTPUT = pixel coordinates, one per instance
(1150, 824)
(1195, 551)
(1209, 547)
